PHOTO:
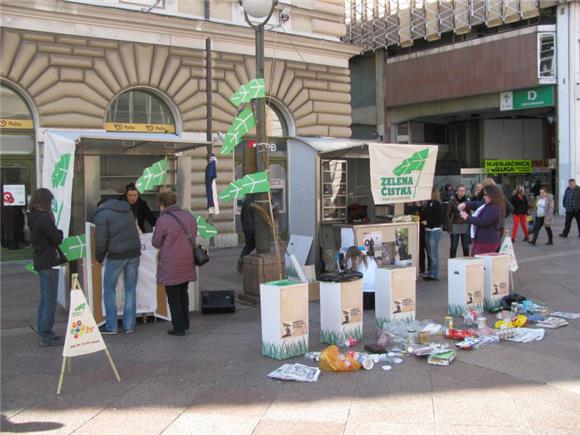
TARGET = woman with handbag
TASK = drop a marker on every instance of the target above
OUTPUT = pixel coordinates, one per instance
(174, 236)
(45, 238)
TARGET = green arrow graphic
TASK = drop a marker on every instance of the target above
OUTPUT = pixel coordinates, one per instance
(243, 123)
(60, 171)
(256, 183)
(233, 191)
(205, 229)
(255, 88)
(153, 176)
(74, 247)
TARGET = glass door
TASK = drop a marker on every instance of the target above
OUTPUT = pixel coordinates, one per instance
(17, 181)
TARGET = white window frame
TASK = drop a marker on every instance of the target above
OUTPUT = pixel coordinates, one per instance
(553, 79)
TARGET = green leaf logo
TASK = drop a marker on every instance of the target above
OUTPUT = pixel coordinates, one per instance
(153, 176)
(253, 89)
(60, 171)
(243, 123)
(74, 248)
(252, 183)
(205, 229)
(414, 163)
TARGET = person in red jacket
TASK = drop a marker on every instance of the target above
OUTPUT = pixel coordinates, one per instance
(175, 267)
(520, 205)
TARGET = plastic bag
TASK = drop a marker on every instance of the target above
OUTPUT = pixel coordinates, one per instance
(331, 360)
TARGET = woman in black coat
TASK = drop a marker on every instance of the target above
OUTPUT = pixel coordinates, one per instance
(45, 238)
(139, 206)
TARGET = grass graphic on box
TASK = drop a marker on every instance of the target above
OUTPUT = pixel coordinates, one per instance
(491, 304)
(335, 337)
(457, 310)
(286, 350)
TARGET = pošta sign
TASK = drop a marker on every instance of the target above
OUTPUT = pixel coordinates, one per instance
(401, 173)
(142, 128)
(508, 166)
(16, 124)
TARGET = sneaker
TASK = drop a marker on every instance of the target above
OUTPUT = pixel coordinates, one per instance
(54, 341)
(129, 331)
(105, 331)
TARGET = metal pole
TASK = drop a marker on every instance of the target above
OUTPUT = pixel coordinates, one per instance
(263, 239)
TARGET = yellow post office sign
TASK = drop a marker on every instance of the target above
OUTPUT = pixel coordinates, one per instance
(508, 167)
(140, 128)
(16, 124)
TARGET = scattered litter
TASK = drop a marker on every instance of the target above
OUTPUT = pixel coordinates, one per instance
(527, 335)
(432, 329)
(476, 342)
(313, 356)
(442, 358)
(386, 368)
(296, 372)
(552, 323)
(565, 315)
(458, 334)
(331, 360)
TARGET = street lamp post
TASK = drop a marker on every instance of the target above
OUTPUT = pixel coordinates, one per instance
(260, 11)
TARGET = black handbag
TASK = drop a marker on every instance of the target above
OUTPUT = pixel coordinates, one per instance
(200, 254)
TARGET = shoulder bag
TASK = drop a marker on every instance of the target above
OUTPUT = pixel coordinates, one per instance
(200, 254)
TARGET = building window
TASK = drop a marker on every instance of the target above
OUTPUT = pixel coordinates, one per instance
(139, 111)
(547, 57)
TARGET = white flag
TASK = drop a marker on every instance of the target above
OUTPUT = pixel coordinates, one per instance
(82, 334)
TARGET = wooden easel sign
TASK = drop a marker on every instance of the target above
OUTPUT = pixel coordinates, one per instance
(82, 334)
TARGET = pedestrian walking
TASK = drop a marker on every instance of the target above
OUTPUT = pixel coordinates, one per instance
(571, 203)
(45, 238)
(174, 236)
(247, 216)
(544, 215)
(117, 240)
(485, 220)
(457, 227)
(433, 223)
(520, 217)
(139, 207)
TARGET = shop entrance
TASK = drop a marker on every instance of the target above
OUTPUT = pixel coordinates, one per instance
(17, 178)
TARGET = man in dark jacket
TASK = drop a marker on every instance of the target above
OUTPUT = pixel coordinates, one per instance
(117, 239)
(571, 203)
(249, 229)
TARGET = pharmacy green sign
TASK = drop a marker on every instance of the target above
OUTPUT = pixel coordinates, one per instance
(520, 99)
(508, 166)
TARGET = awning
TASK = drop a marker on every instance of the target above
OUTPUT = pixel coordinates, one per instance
(334, 148)
(108, 142)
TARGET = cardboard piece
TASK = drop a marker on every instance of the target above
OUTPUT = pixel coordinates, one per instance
(465, 288)
(395, 294)
(496, 278)
(284, 316)
(341, 311)
(313, 291)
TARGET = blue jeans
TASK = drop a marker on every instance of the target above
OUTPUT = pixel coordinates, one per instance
(433, 238)
(47, 305)
(130, 267)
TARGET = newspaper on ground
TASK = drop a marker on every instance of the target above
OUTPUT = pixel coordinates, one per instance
(552, 323)
(564, 315)
(527, 335)
(296, 372)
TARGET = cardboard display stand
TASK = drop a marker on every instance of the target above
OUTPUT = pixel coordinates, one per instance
(284, 314)
(341, 311)
(395, 294)
(496, 278)
(82, 335)
(465, 289)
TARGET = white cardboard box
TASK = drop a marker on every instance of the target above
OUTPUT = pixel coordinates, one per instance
(395, 294)
(497, 278)
(284, 313)
(341, 311)
(465, 285)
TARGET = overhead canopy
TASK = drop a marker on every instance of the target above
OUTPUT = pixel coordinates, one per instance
(107, 142)
(332, 147)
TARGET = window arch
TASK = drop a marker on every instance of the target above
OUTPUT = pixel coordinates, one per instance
(14, 111)
(139, 110)
(276, 125)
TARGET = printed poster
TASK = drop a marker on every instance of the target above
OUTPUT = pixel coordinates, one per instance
(14, 195)
(351, 303)
(293, 313)
(401, 173)
(82, 334)
(500, 277)
(372, 242)
(474, 287)
(403, 294)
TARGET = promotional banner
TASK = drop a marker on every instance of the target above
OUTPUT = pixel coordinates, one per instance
(57, 175)
(508, 248)
(401, 173)
(82, 335)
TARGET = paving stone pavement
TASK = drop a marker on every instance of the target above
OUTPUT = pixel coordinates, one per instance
(214, 381)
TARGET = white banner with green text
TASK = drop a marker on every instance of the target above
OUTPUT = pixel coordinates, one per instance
(401, 173)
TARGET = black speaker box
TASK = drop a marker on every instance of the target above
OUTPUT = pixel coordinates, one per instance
(218, 301)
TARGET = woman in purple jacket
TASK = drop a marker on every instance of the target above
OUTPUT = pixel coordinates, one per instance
(175, 268)
(485, 221)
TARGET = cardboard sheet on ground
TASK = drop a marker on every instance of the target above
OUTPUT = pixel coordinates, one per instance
(401, 173)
